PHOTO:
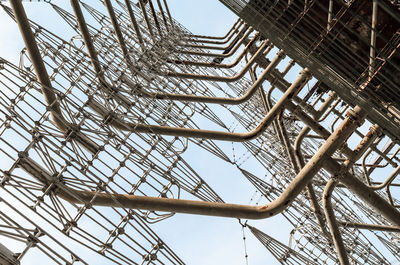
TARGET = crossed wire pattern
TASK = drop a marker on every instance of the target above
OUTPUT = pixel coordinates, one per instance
(142, 72)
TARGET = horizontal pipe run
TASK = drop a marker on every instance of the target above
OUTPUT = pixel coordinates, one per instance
(385, 228)
(223, 55)
(188, 206)
(114, 120)
(215, 64)
(218, 47)
(236, 77)
(239, 21)
(211, 208)
(232, 33)
(213, 100)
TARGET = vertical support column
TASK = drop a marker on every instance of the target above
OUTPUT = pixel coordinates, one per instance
(93, 53)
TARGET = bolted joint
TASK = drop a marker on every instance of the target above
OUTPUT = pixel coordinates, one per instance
(281, 54)
(355, 116)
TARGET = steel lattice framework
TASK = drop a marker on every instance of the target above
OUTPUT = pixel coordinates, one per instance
(94, 129)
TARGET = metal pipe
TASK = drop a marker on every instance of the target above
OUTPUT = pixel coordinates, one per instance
(135, 24)
(388, 180)
(146, 18)
(154, 14)
(209, 47)
(68, 129)
(385, 228)
(162, 14)
(330, 186)
(221, 78)
(333, 226)
(364, 192)
(204, 99)
(232, 51)
(218, 38)
(118, 32)
(198, 207)
(330, 13)
(373, 38)
(299, 160)
(218, 65)
(87, 39)
(296, 167)
(109, 89)
(169, 14)
(236, 30)
(221, 209)
(114, 120)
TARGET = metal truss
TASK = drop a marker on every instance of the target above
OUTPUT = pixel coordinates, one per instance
(105, 117)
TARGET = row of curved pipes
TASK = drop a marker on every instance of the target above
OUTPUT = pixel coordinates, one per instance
(238, 35)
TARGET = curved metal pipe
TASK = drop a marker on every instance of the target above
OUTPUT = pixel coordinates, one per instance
(239, 21)
(225, 55)
(236, 30)
(212, 208)
(388, 180)
(117, 122)
(213, 100)
(219, 47)
(330, 186)
(218, 65)
(221, 78)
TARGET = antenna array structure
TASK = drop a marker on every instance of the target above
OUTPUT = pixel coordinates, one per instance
(95, 130)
